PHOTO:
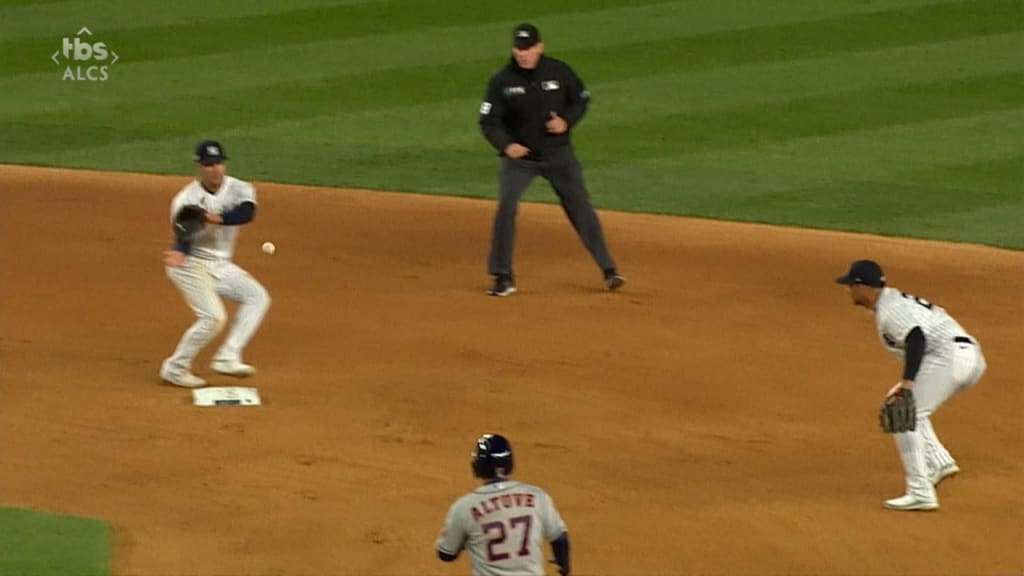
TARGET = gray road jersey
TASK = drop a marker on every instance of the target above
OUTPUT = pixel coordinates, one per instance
(504, 527)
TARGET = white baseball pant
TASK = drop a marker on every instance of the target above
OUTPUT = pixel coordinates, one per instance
(203, 283)
(938, 379)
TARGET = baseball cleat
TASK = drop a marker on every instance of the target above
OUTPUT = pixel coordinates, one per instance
(233, 368)
(613, 280)
(911, 502)
(947, 471)
(183, 379)
(502, 287)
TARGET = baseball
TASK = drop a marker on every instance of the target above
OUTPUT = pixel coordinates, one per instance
(269, 248)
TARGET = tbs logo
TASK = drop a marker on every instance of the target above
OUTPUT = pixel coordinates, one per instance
(84, 60)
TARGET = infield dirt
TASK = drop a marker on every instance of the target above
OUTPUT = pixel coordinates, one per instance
(717, 416)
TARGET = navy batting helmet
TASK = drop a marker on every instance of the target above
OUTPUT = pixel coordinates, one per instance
(492, 457)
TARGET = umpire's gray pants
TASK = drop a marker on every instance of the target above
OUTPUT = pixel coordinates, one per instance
(563, 171)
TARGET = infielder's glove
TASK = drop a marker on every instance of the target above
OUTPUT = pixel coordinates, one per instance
(189, 221)
(898, 412)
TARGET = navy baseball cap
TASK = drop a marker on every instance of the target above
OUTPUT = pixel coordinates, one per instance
(866, 272)
(209, 152)
(525, 35)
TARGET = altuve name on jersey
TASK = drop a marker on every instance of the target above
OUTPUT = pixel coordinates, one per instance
(504, 501)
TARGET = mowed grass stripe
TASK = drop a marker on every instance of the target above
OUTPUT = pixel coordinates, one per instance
(659, 184)
(710, 183)
(298, 25)
(706, 177)
(635, 100)
(902, 194)
(981, 178)
(53, 19)
(997, 225)
(625, 134)
(342, 151)
(736, 86)
(448, 133)
(811, 113)
(803, 40)
(677, 134)
(10, 4)
(448, 121)
(133, 82)
(910, 209)
(982, 201)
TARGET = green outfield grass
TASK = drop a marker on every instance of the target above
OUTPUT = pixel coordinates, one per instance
(900, 117)
(39, 544)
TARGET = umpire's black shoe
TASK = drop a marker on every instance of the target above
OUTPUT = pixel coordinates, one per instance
(503, 286)
(613, 280)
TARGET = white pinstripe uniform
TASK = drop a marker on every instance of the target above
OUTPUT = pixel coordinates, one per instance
(503, 525)
(209, 274)
(952, 362)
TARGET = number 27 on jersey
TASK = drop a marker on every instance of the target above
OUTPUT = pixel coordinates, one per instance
(499, 531)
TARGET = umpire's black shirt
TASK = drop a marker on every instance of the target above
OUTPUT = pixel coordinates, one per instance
(518, 103)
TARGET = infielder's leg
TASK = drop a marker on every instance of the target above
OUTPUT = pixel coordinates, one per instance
(936, 454)
(968, 365)
(514, 176)
(237, 285)
(566, 176)
(920, 450)
(197, 286)
(911, 446)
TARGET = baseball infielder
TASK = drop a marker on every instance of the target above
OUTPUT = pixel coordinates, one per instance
(503, 522)
(203, 271)
(940, 360)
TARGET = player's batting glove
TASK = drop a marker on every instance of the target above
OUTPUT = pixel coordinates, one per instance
(189, 221)
(899, 412)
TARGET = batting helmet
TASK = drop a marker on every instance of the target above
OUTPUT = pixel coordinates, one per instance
(492, 457)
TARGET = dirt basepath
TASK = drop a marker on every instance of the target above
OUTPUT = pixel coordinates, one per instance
(715, 417)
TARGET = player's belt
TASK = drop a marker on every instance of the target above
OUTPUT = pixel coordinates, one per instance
(963, 340)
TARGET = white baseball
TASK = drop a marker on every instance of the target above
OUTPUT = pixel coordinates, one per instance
(269, 248)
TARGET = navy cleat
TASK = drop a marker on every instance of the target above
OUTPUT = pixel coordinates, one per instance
(613, 280)
(503, 286)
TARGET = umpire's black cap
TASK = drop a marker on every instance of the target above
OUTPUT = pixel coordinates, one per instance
(209, 152)
(525, 35)
(866, 272)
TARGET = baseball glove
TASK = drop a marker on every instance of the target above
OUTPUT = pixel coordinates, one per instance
(899, 412)
(189, 221)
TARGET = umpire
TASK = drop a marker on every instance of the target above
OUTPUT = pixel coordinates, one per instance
(530, 107)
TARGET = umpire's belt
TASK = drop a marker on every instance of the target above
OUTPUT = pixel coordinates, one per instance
(963, 340)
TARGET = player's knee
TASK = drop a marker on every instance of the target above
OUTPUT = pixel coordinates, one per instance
(218, 323)
(214, 323)
(261, 298)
